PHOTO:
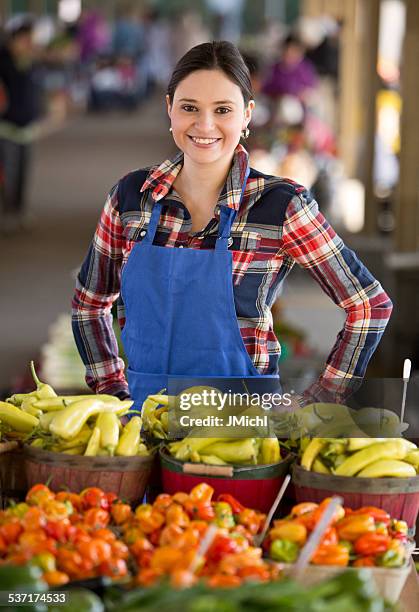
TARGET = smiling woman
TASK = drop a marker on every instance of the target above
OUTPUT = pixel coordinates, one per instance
(209, 109)
(197, 248)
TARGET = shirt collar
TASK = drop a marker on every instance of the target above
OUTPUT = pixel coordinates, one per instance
(161, 178)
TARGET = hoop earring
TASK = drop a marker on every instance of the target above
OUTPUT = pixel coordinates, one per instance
(245, 133)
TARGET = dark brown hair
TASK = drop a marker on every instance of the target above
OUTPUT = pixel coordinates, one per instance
(218, 54)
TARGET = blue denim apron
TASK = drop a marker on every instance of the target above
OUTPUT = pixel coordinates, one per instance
(180, 314)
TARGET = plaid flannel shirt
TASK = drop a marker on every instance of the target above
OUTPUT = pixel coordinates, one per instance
(277, 225)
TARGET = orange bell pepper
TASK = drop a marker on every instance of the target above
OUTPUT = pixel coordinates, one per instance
(352, 527)
(331, 554)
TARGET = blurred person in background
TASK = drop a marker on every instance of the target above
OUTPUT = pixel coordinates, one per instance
(93, 36)
(128, 36)
(227, 17)
(158, 60)
(292, 74)
(20, 108)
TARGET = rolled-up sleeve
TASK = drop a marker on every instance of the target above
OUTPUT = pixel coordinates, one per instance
(97, 287)
(311, 242)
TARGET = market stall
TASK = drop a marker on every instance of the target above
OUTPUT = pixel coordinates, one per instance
(75, 523)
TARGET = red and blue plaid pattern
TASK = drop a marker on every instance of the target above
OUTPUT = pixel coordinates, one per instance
(277, 224)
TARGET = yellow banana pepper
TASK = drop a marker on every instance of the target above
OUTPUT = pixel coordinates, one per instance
(43, 391)
(239, 451)
(164, 419)
(269, 452)
(393, 449)
(212, 460)
(37, 443)
(17, 419)
(68, 422)
(388, 467)
(108, 424)
(143, 450)
(412, 457)
(45, 420)
(356, 444)
(319, 467)
(28, 406)
(159, 399)
(130, 439)
(93, 445)
(189, 444)
(76, 450)
(311, 452)
(82, 438)
(62, 401)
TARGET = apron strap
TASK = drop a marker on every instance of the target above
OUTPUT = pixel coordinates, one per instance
(152, 226)
(227, 216)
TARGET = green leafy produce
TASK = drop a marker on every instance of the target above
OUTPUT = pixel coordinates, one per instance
(345, 592)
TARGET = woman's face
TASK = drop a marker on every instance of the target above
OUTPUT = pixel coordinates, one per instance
(207, 116)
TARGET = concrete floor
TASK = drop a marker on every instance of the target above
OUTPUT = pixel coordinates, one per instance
(72, 171)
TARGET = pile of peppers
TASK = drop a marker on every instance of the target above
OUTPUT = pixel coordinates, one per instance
(164, 538)
(367, 537)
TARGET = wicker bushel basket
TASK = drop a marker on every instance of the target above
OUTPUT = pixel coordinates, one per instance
(12, 474)
(127, 477)
(398, 496)
(255, 486)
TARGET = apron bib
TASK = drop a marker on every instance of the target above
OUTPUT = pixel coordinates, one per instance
(180, 314)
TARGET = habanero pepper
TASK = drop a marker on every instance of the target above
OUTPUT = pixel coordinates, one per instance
(372, 544)
(331, 554)
(378, 514)
(289, 530)
(199, 510)
(236, 506)
(221, 546)
(201, 493)
(352, 527)
(224, 515)
(284, 550)
(251, 519)
(364, 562)
(395, 556)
